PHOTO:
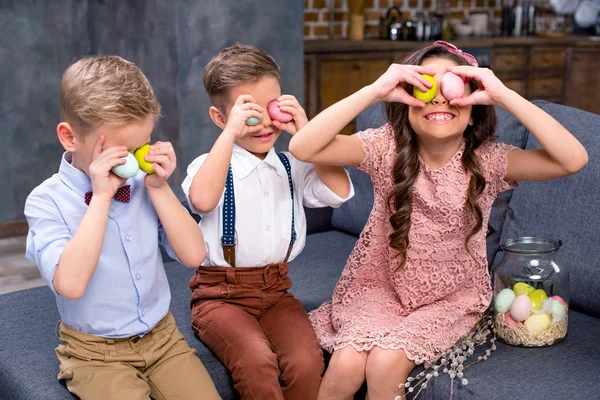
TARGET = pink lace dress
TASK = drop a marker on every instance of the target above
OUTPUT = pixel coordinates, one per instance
(442, 291)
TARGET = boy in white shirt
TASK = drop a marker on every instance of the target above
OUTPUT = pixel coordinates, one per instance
(251, 202)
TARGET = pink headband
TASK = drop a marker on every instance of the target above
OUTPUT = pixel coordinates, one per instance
(455, 50)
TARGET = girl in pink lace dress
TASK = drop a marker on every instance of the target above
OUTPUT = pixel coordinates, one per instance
(417, 279)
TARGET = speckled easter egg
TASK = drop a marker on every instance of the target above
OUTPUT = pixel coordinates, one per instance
(520, 308)
(537, 323)
(522, 288)
(559, 311)
(510, 320)
(127, 170)
(504, 300)
(253, 121)
(537, 298)
(453, 86)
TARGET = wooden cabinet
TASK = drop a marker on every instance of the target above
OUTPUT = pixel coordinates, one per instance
(559, 70)
(583, 82)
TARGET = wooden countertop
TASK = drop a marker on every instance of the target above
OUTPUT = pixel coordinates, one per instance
(377, 45)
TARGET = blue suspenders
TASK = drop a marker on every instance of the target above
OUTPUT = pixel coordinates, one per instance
(228, 238)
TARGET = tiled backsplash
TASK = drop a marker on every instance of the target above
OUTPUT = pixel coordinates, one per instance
(317, 14)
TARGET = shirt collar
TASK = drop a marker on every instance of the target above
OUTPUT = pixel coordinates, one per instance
(74, 178)
(246, 162)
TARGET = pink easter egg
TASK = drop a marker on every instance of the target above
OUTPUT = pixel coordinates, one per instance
(453, 87)
(559, 299)
(276, 113)
(510, 320)
(521, 308)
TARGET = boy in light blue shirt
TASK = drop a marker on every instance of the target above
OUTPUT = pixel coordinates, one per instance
(95, 237)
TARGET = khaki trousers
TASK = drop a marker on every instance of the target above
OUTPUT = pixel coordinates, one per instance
(159, 365)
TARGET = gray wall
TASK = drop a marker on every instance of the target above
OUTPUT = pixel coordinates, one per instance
(171, 41)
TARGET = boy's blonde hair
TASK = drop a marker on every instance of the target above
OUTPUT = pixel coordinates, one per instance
(105, 89)
(233, 66)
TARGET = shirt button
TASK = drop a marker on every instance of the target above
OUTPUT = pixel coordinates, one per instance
(268, 259)
(143, 313)
(268, 227)
(128, 238)
(138, 276)
(266, 194)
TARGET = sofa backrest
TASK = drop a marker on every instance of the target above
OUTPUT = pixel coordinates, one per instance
(563, 209)
(566, 209)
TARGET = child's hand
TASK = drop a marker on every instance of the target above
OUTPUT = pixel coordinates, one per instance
(388, 88)
(289, 104)
(163, 159)
(104, 182)
(491, 92)
(244, 107)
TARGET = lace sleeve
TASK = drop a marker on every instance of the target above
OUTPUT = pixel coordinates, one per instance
(376, 143)
(494, 159)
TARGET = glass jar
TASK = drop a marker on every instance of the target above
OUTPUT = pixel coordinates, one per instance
(531, 293)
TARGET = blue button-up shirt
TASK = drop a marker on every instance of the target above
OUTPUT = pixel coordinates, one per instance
(128, 293)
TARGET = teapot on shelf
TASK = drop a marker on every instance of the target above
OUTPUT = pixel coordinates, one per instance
(390, 24)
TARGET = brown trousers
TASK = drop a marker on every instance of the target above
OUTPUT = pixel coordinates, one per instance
(259, 330)
(160, 365)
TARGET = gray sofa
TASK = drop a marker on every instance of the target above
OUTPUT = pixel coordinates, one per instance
(566, 209)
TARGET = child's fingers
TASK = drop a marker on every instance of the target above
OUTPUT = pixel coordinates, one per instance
(466, 71)
(112, 153)
(290, 110)
(286, 97)
(477, 97)
(99, 146)
(419, 81)
(249, 130)
(161, 159)
(160, 171)
(423, 70)
(244, 98)
(289, 103)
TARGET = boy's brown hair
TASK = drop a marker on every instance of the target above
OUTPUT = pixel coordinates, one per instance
(105, 89)
(233, 66)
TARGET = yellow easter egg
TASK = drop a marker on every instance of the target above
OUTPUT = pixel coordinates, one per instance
(537, 323)
(139, 156)
(522, 288)
(427, 96)
(537, 297)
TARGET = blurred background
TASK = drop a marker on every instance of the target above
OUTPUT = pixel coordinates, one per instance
(327, 49)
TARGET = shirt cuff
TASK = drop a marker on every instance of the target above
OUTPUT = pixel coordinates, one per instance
(329, 197)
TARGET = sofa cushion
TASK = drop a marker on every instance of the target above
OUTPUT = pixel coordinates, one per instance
(352, 216)
(567, 209)
(317, 269)
(567, 370)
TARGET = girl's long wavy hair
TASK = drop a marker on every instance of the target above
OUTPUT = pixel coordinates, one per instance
(406, 164)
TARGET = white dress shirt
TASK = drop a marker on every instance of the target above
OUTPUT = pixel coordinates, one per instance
(263, 208)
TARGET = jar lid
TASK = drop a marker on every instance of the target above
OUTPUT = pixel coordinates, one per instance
(531, 245)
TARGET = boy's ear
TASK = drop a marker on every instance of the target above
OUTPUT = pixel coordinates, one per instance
(217, 117)
(66, 136)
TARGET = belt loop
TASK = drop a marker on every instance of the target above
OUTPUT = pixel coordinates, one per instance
(230, 275)
(283, 268)
(57, 329)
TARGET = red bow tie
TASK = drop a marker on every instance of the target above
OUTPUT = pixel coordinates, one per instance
(123, 194)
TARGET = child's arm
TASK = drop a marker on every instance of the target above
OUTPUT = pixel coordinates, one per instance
(318, 142)
(208, 183)
(80, 255)
(561, 153)
(183, 233)
(335, 178)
